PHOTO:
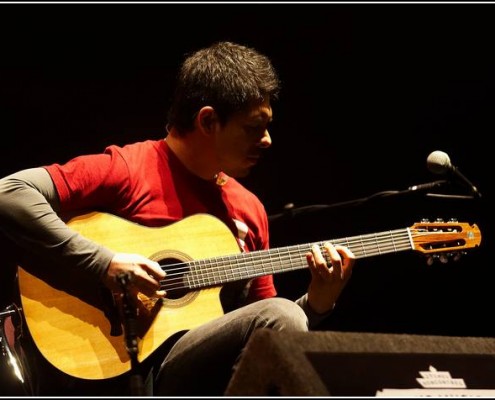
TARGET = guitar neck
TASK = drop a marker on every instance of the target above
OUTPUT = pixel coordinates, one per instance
(223, 269)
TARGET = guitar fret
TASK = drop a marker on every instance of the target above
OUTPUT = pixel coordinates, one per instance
(203, 277)
(279, 259)
(392, 239)
(195, 274)
(290, 260)
(377, 245)
(273, 261)
(225, 270)
(362, 244)
(246, 272)
(236, 269)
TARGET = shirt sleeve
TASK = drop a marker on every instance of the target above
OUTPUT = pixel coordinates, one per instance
(314, 318)
(90, 182)
(28, 216)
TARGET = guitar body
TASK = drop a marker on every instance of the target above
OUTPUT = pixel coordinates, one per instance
(75, 336)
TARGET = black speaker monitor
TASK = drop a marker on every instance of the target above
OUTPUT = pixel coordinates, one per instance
(364, 364)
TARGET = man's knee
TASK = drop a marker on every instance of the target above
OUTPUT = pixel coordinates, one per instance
(281, 314)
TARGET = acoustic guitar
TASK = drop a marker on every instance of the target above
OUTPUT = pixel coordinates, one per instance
(200, 255)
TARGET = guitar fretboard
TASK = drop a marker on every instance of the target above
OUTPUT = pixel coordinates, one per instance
(223, 269)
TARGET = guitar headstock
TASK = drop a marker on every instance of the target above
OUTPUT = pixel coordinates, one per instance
(444, 240)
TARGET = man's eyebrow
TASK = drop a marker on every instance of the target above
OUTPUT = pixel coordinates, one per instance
(263, 117)
(261, 120)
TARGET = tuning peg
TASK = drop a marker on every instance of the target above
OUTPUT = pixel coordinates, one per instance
(457, 256)
(431, 259)
(454, 220)
(444, 259)
(439, 220)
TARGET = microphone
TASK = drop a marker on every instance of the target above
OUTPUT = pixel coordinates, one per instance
(438, 162)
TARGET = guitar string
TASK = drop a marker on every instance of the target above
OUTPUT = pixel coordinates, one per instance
(283, 250)
(226, 261)
(367, 245)
(237, 273)
(377, 241)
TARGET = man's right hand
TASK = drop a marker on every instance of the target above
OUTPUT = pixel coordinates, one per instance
(144, 274)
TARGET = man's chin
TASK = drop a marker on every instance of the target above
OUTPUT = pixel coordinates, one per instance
(239, 173)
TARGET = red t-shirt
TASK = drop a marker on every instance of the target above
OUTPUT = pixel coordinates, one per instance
(146, 183)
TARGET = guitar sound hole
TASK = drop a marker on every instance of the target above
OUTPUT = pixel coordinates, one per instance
(174, 283)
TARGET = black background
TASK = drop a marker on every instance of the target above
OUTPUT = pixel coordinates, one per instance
(369, 90)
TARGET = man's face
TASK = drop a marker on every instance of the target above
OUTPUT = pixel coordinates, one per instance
(240, 141)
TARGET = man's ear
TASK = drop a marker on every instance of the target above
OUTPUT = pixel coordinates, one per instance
(207, 119)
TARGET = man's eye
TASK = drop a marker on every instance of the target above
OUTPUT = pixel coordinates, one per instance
(256, 129)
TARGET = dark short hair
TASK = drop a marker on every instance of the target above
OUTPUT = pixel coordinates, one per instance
(226, 76)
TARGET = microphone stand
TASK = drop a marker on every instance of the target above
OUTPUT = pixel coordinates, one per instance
(290, 211)
(131, 336)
